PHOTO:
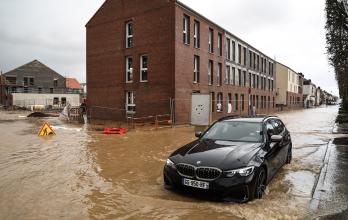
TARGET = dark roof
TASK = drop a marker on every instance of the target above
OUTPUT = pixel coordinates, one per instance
(33, 67)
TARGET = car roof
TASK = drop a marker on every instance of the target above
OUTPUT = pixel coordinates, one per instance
(255, 119)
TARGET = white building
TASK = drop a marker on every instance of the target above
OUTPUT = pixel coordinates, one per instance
(309, 94)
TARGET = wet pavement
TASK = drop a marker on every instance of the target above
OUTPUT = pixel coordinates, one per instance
(83, 174)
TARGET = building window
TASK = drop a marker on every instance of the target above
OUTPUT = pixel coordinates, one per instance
(51, 90)
(239, 54)
(143, 68)
(257, 82)
(240, 77)
(218, 75)
(186, 29)
(254, 60)
(244, 78)
(258, 62)
(233, 77)
(210, 72)
(63, 101)
(25, 90)
(212, 94)
(129, 34)
(211, 41)
(249, 80)
(269, 84)
(129, 69)
(219, 102)
(235, 102)
(261, 64)
(55, 101)
(229, 103)
(40, 90)
(244, 56)
(233, 51)
(196, 66)
(55, 83)
(254, 81)
(257, 101)
(130, 102)
(220, 44)
(28, 81)
(11, 80)
(242, 101)
(250, 59)
(228, 75)
(228, 49)
(196, 34)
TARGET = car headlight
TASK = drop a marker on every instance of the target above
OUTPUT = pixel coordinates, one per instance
(170, 163)
(243, 172)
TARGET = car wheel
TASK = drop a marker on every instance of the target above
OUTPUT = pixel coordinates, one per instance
(289, 156)
(259, 185)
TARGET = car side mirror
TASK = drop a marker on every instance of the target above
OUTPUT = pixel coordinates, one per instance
(276, 138)
(198, 134)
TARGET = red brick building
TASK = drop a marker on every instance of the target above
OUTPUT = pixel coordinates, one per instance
(141, 56)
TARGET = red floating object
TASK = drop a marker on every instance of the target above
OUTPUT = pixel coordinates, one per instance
(115, 130)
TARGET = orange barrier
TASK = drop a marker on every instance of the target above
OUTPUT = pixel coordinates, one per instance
(115, 131)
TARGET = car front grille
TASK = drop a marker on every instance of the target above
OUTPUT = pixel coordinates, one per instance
(186, 170)
(203, 173)
(208, 173)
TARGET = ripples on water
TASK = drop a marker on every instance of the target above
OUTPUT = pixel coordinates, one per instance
(80, 173)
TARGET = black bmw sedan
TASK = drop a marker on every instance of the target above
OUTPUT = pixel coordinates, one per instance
(234, 158)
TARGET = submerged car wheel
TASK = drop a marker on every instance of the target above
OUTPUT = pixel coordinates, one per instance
(289, 156)
(259, 185)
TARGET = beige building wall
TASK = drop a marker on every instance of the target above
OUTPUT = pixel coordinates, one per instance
(281, 83)
(293, 81)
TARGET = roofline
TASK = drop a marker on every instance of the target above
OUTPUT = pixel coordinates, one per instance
(95, 13)
(179, 3)
(298, 73)
(32, 62)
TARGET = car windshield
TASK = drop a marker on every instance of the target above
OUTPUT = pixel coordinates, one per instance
(235, 131)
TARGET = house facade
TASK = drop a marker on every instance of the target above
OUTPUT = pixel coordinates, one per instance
(35, 80)
(309, 93)
(289, 88)
(142, 65)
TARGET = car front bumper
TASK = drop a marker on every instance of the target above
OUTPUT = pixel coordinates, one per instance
(235, 189)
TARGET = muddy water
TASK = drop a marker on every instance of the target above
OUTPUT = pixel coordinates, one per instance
(81, 174)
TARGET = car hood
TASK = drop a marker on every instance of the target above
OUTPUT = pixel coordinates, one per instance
(214, 153)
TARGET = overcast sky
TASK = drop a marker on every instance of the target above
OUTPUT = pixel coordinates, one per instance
(52, 31)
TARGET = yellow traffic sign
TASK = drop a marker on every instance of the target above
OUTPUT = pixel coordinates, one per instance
(46, 130)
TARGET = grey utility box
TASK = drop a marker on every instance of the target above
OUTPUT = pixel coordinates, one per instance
(200, 110)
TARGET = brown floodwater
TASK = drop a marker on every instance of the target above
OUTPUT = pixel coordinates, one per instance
(83, 174)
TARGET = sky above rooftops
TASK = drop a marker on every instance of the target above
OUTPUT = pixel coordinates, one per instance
(291, 31)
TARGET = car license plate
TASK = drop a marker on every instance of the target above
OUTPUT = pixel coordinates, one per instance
(195, 184)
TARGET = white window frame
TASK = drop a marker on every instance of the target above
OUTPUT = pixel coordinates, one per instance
(185, 30)
(219, 102)
(129, 70)
(196, 34)
(210, 40)
(131, 103)
(128, 35)
(210, 81)
(195, 69)
(143, 68)
(218, 74)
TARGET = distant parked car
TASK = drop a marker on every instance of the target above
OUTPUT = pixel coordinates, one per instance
(234, 158)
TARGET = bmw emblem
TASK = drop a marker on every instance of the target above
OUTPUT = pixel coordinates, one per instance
(199, 162)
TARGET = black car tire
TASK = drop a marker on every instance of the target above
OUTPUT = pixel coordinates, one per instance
(258, 185)
(289, 156)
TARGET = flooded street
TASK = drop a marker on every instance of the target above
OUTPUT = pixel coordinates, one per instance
(81, 173)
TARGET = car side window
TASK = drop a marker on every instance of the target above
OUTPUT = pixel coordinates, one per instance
(269, 127)
(278, 126)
